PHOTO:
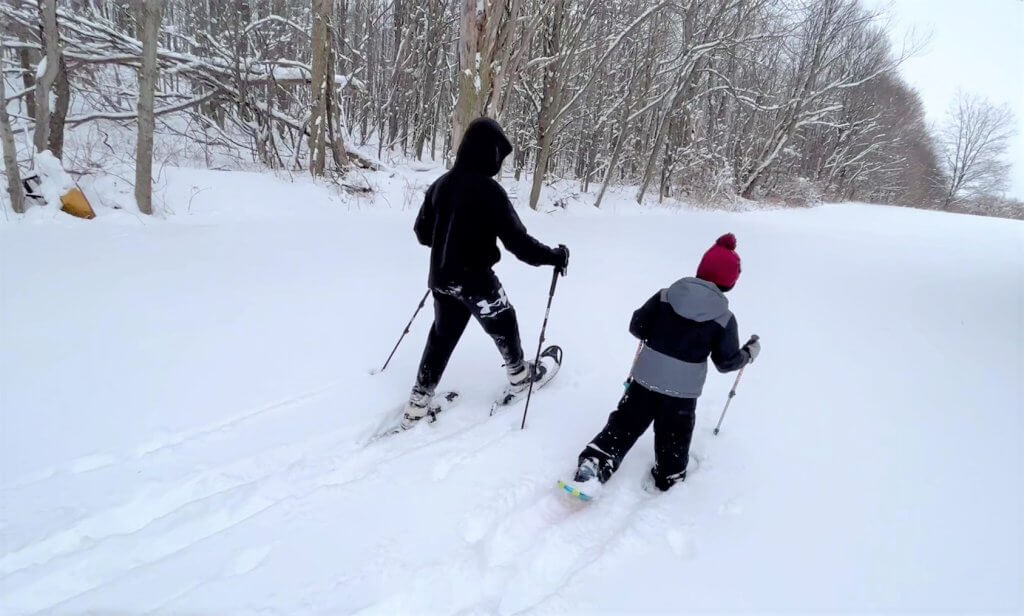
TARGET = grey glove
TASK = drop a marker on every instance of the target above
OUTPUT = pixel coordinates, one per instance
(753, 347)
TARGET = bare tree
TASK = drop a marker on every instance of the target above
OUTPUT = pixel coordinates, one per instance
(149, 18)
(486, 58)
(25, 57)
(322, 86)
(47, 76)
(14, 189)
(832, 32)
(61, 106)
(552, 90)
(562, 42)
(974, 140)
(706, 29)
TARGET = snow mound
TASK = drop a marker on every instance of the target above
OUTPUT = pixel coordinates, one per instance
(54, 181)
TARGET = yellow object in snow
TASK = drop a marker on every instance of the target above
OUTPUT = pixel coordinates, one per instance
(75, 203)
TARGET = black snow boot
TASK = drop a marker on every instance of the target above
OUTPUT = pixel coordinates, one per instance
(655, 483)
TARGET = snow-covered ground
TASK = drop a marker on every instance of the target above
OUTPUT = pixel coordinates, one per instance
(183, 402)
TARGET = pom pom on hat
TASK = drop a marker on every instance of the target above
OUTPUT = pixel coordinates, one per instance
(727, 241)
(721, 264)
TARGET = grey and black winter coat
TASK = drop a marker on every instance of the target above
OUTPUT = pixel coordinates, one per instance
(680, 327)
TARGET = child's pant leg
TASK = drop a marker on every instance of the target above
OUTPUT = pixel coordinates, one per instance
(625, 425)
(673, 430)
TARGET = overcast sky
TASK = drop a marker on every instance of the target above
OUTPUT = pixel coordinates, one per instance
(976, 45)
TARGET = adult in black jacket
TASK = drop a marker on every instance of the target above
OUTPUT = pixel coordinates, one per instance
(679, 328)
(463, 215)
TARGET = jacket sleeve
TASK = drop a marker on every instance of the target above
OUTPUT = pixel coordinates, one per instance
(510, 230)
(640, 324)
(424, 226)
(727, 354)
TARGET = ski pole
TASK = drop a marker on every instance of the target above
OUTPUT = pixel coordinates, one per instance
(540, 342)
(405, 331)
(732, 394)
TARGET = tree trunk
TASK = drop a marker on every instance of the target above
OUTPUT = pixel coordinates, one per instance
(322, 87)
(337, 130)
(540, 168)
(471, 76)
(14, 189)
(28, 78)
(337, 126)
(150, 24)
(429, 80)
(59, 114)
(48, 18)
(485, 60)
(551, 99)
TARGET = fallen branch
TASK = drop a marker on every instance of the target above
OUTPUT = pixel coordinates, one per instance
(131, 115)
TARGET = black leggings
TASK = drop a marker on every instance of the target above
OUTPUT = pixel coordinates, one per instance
(483, 298)
(673, 419)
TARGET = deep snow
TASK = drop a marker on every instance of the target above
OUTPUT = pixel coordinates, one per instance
(184, 401)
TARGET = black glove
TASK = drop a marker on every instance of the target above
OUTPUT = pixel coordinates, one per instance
(753, 347)
(561, 255)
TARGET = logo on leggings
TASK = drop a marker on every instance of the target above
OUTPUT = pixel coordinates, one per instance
(492, 309)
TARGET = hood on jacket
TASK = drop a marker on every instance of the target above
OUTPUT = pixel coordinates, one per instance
(483, 148)
(697, 300)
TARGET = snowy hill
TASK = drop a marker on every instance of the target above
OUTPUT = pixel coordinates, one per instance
(185, 401)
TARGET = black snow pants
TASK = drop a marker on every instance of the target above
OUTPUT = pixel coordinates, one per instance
(673, 419)
(483, 298)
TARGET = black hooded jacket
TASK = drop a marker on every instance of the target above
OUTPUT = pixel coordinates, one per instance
(466, 211)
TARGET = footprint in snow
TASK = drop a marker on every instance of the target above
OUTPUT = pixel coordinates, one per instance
(501, 504)
(683, 542)
(250, 560)
(731, 507)
(91, 463)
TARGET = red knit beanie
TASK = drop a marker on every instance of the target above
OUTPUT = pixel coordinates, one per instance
(721, 264)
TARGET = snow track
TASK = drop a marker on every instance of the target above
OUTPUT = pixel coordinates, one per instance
(526, 536)
(162, 444)
(171, 517)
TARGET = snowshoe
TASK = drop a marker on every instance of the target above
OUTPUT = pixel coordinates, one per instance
(550, 362)
(447, 401)
(585, 484)
(441, 402)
